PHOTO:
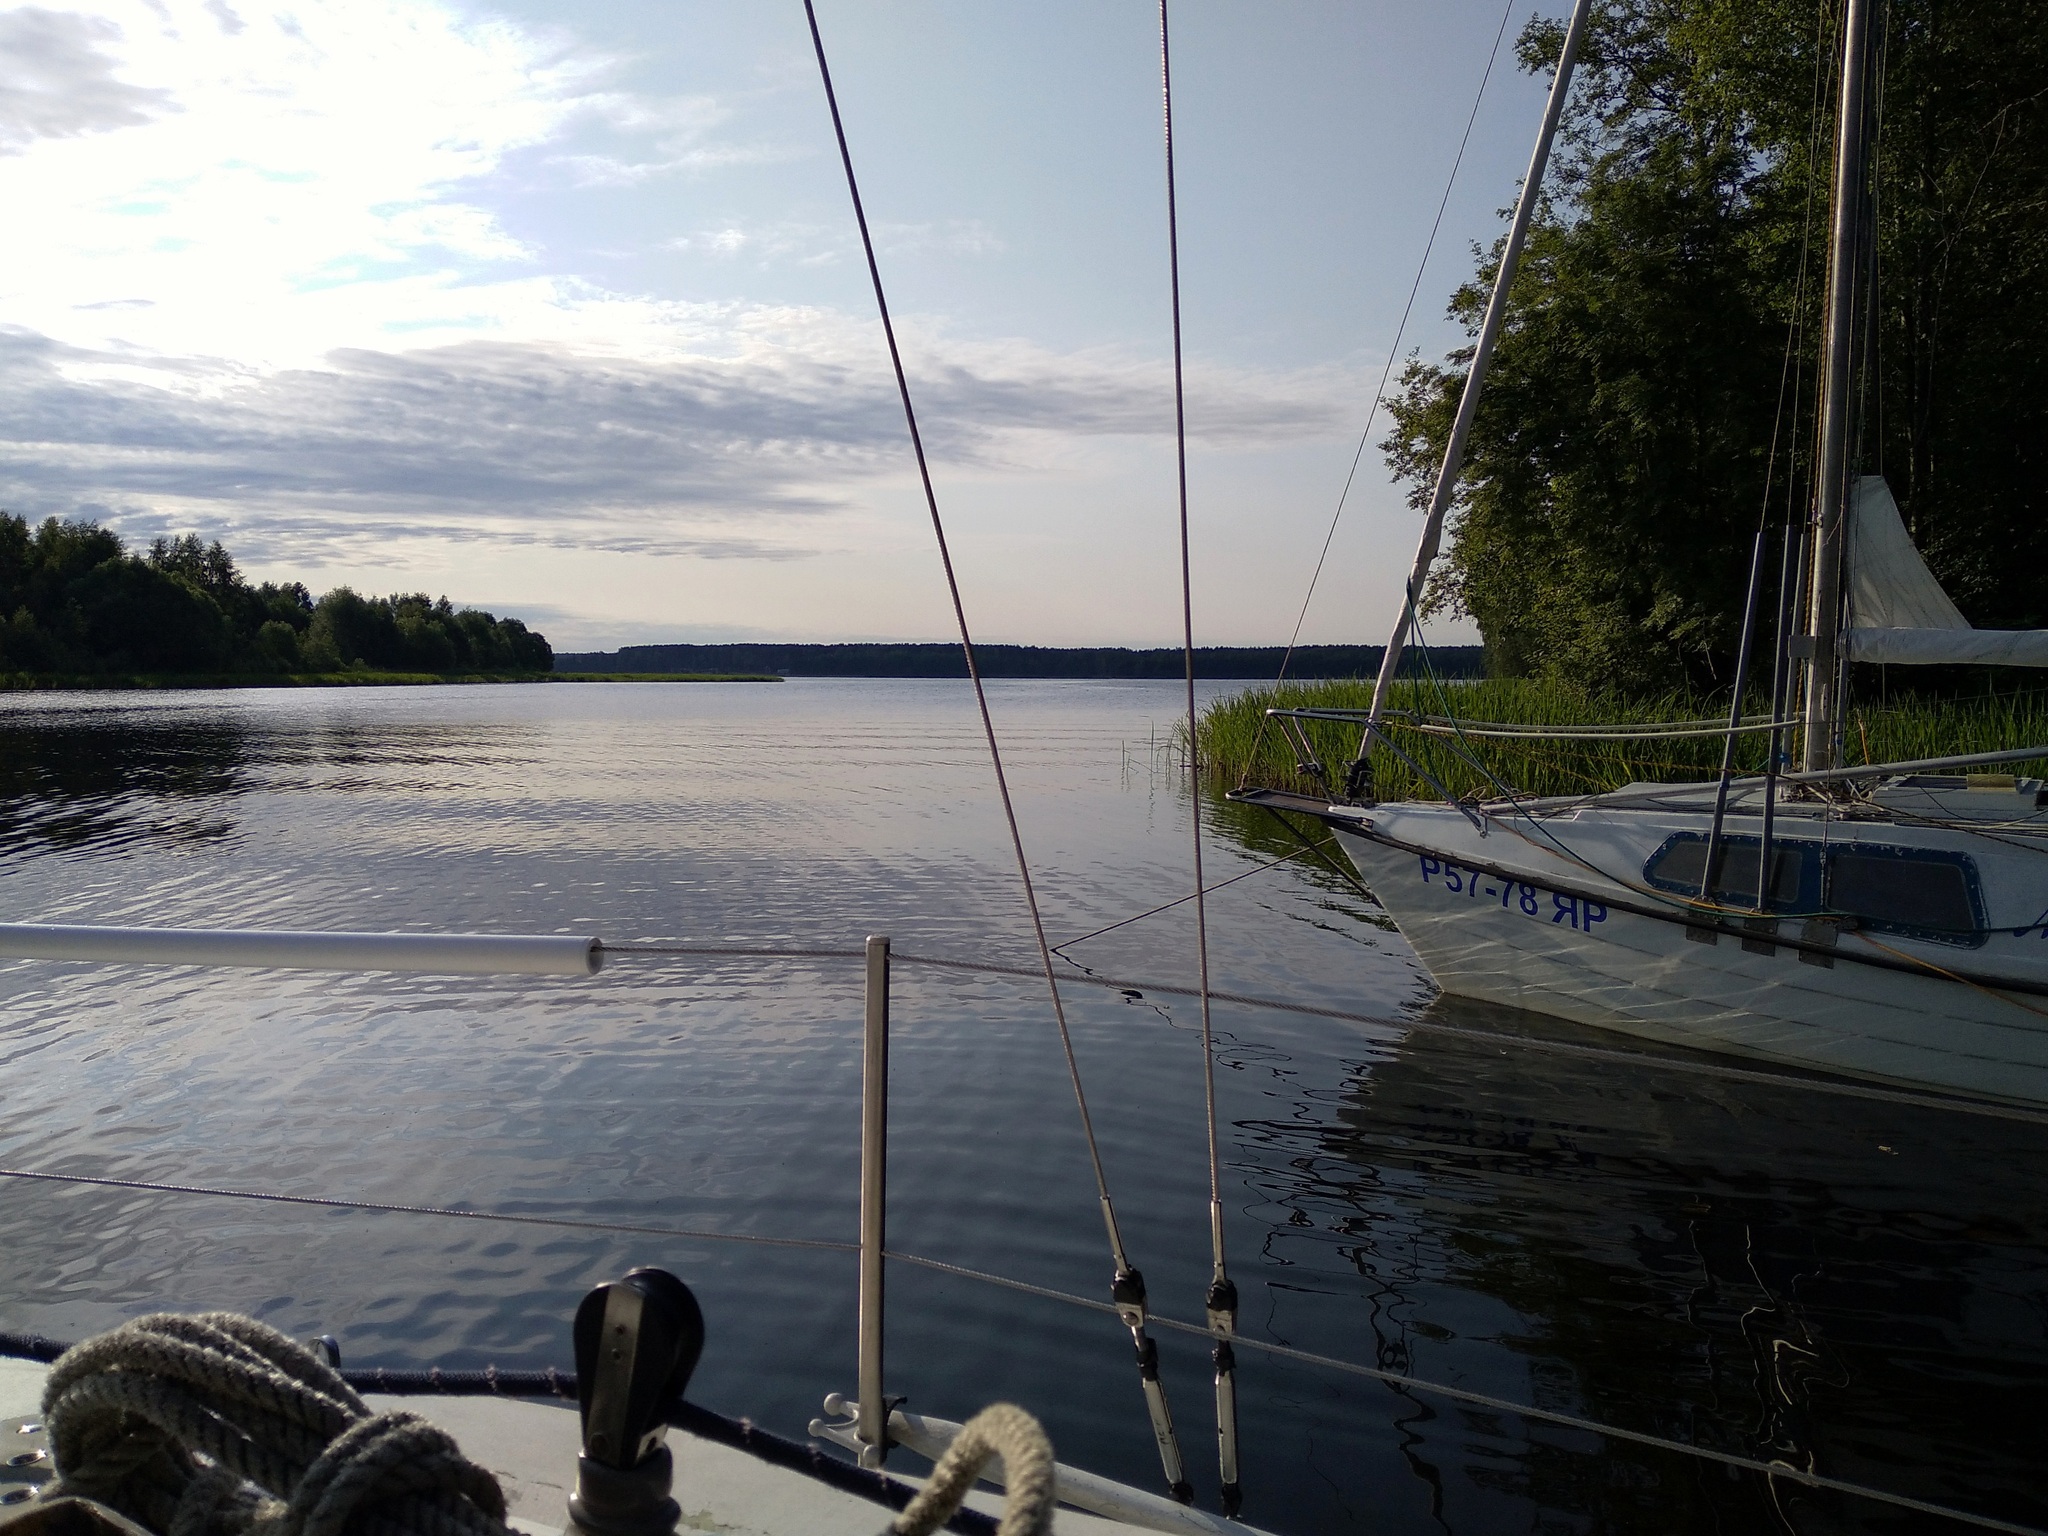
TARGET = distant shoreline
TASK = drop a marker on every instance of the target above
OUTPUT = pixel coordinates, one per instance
(1236, 663)
(146, 682)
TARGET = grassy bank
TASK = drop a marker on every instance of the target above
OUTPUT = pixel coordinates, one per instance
(1239, 745)
(41, 682)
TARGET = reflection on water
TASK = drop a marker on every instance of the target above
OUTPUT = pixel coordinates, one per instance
(1850, 1287)
(79, 779)
(101, 774)
(1836, 1286)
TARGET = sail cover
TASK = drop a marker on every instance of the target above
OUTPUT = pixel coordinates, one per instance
(1897, 610)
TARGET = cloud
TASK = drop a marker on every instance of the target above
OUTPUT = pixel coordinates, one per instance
(804, 244)
(57, 79)
(270, 298)
(734, 454)
(951, 237)
(288, 175)
(766, 244)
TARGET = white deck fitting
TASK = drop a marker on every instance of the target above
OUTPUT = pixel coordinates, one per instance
(531, 1448)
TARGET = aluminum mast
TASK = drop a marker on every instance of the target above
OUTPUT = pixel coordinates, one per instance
(1817, 749)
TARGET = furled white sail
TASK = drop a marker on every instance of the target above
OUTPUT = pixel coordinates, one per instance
(1897, 610)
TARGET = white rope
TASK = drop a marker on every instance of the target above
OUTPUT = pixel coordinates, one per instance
(1001, 1430)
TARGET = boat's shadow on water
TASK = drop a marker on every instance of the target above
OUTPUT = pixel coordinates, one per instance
(1836, 1285)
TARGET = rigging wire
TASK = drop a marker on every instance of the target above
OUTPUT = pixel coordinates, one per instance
(1221, 1299)
(1128, 1284)
(1178, 901)
(1386, 373)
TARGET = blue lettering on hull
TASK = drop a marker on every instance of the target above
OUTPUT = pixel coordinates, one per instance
(1576, 912)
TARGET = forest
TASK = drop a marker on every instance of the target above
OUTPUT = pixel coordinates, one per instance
(79, 604)
(1652, 400)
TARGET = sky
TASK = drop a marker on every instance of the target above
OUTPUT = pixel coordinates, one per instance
(560, 309)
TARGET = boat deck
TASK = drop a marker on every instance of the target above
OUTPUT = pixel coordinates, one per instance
(531, 1448)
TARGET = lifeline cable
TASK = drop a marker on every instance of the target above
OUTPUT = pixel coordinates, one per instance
(1831, 1087)
(1127, 1285)
(388, 1208)
(1221, 1299)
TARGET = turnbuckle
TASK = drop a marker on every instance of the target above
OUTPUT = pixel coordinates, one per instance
(1222, 1309)
(1128, 1292)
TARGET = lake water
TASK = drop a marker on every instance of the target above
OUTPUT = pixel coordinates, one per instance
(1855, 1288)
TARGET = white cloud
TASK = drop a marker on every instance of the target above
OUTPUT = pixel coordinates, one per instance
(277, 180)
(730, 448)
(766, 244)
(57, 79)
(268, 297)
(953, 237)
(801, 244)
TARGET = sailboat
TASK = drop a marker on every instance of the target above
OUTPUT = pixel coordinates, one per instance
(1885, 921)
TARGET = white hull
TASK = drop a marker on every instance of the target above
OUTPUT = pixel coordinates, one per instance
(1888, 1007)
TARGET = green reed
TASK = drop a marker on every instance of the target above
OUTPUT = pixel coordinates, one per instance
(1240, 745)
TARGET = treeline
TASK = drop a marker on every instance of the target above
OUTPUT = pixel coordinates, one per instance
(77, 603)
(943, 659)
(1643, 397)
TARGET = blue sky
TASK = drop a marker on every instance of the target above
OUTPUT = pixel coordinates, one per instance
(559, 309)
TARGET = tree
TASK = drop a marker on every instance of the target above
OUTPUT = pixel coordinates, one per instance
(1657, 369)
(73, 601)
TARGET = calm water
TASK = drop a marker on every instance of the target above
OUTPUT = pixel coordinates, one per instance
(1854, 1288)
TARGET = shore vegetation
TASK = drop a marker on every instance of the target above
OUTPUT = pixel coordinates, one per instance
(78, 608)
(1655, 382)
(1239, 745)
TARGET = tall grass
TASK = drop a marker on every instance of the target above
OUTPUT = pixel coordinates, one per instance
(1240, 745)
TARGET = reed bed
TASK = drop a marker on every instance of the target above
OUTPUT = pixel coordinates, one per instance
(1239, 745)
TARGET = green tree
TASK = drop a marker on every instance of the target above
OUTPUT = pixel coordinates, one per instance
(74, 601)
(1617, 467)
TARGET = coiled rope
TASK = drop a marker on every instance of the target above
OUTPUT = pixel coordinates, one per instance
(218, 1425)
(1000, 1430)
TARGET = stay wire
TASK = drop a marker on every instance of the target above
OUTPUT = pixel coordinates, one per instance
(1387, 373)
(1220, 1303)
(1064, 945)
(1128, 1285)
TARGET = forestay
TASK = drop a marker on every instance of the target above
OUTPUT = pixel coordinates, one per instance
(1898, 611)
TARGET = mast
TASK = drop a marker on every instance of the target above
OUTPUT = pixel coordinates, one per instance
(1830, 499)
(1475, 380)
